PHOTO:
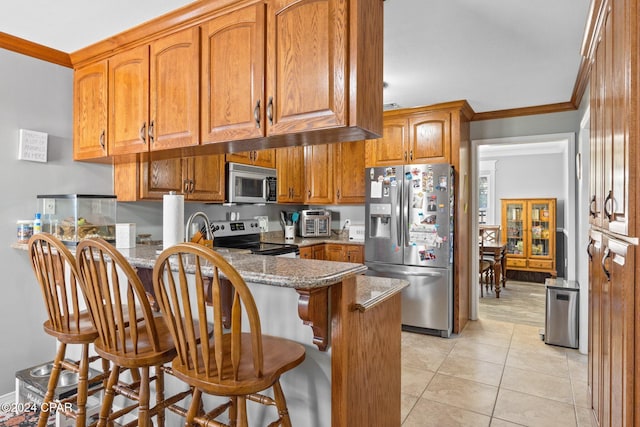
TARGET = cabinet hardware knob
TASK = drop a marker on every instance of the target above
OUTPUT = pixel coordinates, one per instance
(152, 125)
(143, 138)
(592, 203)
(256, 114)
(609, 198)
(101, 139)
(606, 255)
(270, 110)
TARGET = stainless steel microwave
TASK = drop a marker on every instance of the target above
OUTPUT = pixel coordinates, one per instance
(250, 184)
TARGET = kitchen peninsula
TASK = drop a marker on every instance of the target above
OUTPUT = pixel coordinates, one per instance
(352, 370)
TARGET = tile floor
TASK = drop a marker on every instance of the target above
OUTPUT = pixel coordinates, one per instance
(494, 373)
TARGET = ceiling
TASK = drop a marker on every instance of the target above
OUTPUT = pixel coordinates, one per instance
(496, 54)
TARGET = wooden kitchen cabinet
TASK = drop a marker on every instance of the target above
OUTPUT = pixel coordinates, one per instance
(307, 41)
(313, 252)
(319, 174)
(529, 229)
(290, 169)
(265, 158)
(349, 158)
(344, 253)
(418, 137)
(90, 111)
(154, 95)
(233, 66)
(611, 329)
(199, 178)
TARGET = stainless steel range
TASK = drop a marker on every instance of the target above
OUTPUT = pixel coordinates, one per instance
(245, 234)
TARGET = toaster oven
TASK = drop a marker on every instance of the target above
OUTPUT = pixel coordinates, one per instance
(315, 223)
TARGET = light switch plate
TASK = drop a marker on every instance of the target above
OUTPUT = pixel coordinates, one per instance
(33, 146)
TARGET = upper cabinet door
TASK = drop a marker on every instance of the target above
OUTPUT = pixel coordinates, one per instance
(174, 90)
(391, 149)
(129, 101)
(306, 65)
(319, 175)
(430, 136)
(233, 76)
(349, 172)
(90, 112)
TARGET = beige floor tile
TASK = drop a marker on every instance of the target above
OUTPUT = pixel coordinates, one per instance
(585, 418)
(496, 422)
(433, 414)
(461, 393)
(538, 384)
(423, 358)
(414, 380)
(490, 326)
(470, 369)
(534, 360)
(581, 394)
(578, 366)
(487, 337)
(533, 411)
(407, 402)
(480, 351)
(413, 339)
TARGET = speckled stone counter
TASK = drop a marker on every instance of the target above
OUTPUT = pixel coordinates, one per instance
(278, 237)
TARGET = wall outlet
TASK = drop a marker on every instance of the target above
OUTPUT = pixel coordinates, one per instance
(49, 207)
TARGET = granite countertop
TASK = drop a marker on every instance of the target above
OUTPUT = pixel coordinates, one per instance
(336, 237)
(284, 272)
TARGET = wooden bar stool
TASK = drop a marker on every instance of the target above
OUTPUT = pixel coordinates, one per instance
(55, 269)
(232, 364)
(115, 295)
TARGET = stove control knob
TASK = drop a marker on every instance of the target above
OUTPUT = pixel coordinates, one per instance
(222, 227)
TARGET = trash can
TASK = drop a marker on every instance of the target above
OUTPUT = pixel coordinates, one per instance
(561, 312)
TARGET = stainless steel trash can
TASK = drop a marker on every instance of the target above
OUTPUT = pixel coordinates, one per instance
(561, 313)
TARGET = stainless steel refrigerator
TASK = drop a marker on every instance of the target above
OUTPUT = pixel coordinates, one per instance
(409, 235)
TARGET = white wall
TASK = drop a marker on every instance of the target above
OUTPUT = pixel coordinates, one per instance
(34, 95)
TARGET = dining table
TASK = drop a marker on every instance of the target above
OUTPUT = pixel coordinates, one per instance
(498, 251)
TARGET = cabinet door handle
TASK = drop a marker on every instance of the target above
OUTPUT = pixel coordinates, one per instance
(101, 139)
(192, 186)
(405, 156)
(256, 114)
(270, 110)
(592, 204)
(309, 193)
(143, 138)
(411, 155)
(338, 194)
(589, 246)
(152, 125)
(606, 255)
(185, 186)
(606, 204)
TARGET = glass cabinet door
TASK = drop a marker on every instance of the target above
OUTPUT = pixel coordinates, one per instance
(540, 220)
(515, 232)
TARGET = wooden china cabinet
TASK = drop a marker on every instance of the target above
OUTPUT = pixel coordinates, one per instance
(529, 232)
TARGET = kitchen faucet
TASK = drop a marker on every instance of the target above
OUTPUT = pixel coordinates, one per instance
(207, 224)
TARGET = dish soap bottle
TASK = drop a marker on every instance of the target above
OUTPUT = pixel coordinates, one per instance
(37, 224)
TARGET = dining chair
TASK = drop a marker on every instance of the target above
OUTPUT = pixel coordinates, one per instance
(486, 266)
(55, 270)
(238, 362)
(130, 335)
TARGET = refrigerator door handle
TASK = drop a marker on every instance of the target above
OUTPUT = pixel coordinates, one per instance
(405, 212)
(397, 211)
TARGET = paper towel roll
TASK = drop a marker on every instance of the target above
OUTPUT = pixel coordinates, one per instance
(172, 219)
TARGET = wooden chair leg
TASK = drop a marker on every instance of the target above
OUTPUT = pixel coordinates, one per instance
(159, 394)
(83, 387)
(242, 412)
(51, 386)
(233, 412)
(281, 404)
(143, 402)
(109, 394)
(194, 408)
